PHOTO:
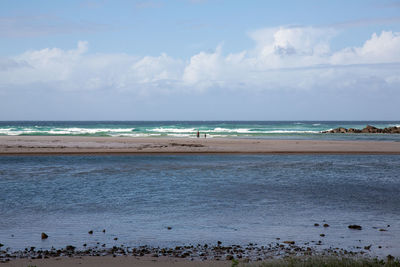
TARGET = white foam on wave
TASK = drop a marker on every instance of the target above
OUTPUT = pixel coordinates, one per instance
(173, 130)
(75, 130)
(226, 130)
(291, 131)
(63, 131)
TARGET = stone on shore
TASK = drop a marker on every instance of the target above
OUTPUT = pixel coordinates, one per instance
(44, 236)
(355, 227)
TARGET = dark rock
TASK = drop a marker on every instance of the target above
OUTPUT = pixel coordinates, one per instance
(44, 236)
(70, 248)
(371, 129)
(104, 230)
(352, 130)
(322, 235)
(316, 224)
(355, 227)
(289, 242)
(326, 225)
(367, 247)
(229, 257)
(382, 230)
(115, 238)
(219, 243)
(367, 129)
(90, 232)
(337, 130)
(169, 227)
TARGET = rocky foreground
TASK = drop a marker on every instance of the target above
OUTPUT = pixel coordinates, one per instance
(367, 129)
(250, 252)
(245, 253)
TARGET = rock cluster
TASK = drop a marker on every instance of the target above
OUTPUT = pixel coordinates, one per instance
(250, 252)
(367, 129)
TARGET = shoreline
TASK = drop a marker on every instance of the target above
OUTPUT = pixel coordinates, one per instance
(78, 145)
(189, 254)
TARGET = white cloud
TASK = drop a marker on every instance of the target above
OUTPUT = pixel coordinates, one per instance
(383, 48)
(285, 58)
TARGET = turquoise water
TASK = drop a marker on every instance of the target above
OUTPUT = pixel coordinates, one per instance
(241, 129)
(236, 199)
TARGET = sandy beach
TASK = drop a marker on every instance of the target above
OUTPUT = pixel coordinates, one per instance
(18, 145)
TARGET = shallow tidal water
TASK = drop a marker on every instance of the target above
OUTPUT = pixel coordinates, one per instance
(236, 199)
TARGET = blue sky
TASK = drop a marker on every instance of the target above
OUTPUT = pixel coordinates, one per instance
(199, 60)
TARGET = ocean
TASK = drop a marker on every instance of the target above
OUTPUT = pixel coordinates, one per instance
(169, 200)
(213, 129)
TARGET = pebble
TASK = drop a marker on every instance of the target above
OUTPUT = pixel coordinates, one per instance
(355, 227)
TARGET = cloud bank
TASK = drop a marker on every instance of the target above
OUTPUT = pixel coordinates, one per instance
(284, 58)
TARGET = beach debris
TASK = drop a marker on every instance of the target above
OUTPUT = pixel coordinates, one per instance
(326, 225)
(355, 227)
(90, 232)
(316, 224)
(44, 236)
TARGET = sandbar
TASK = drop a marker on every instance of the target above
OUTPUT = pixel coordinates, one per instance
(64, 145)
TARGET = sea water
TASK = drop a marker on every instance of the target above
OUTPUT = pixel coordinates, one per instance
(241, 129)
(169, 200)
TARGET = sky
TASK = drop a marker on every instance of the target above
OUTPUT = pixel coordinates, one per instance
(199, 60)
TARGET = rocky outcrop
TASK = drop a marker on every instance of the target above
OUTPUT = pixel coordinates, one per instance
(367, 129)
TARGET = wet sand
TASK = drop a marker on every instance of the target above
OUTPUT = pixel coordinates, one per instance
(19, 145)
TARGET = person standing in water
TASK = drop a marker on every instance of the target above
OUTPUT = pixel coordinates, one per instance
(198, 134)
